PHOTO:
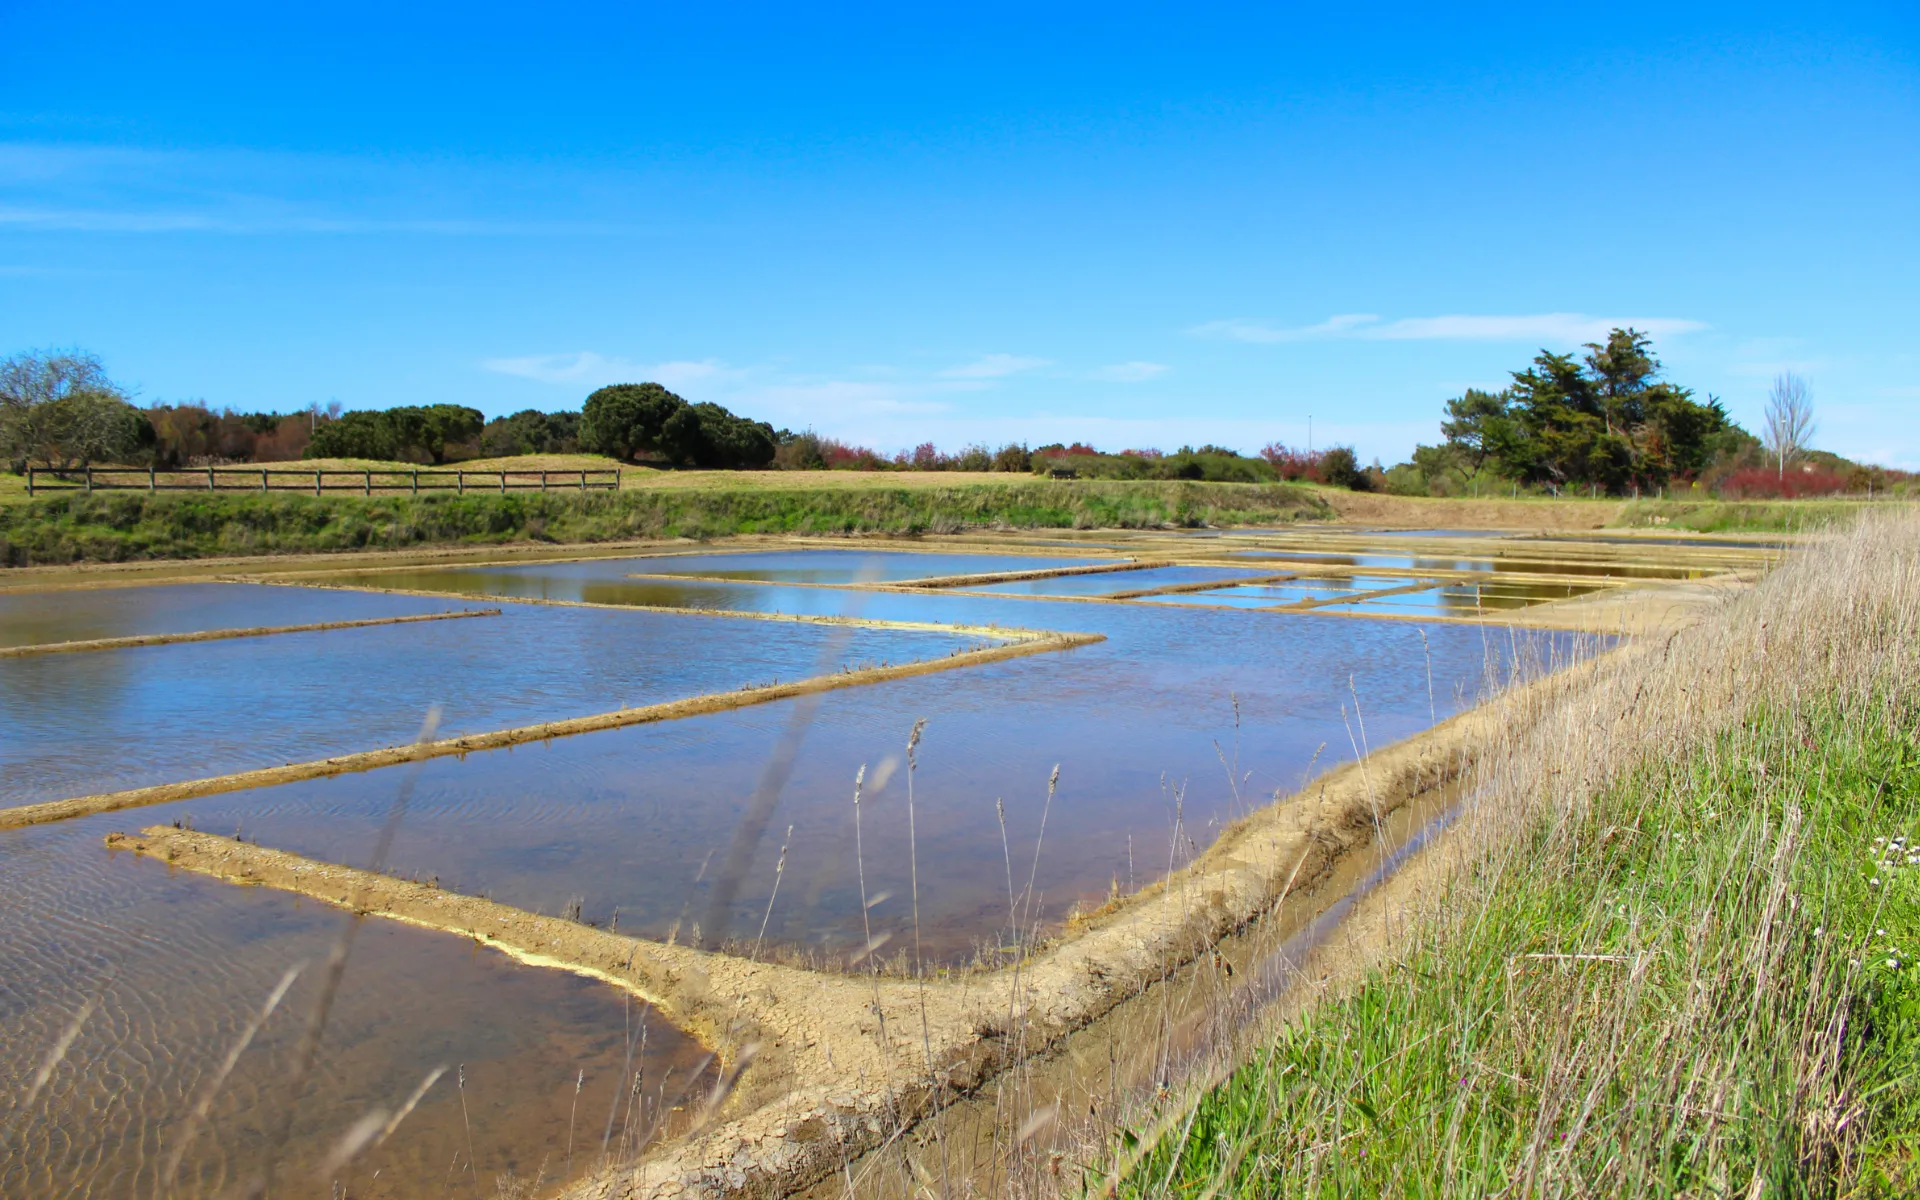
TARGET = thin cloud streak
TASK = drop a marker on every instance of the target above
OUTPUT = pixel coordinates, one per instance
(1550, 328)
(996, 366)
(590, 370)
(1129, 372)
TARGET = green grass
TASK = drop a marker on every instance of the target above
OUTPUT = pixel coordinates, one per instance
(1741, 516)
(124, 526)
(1750, 1022)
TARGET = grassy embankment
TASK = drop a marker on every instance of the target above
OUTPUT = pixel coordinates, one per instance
(1673, 957)
(123, 526)
(1743, 516)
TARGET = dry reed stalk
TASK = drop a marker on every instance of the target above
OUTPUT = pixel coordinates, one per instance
(1833, 629)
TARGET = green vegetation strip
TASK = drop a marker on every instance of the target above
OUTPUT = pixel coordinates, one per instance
(1702, 987)
(117, 527)
(216, 635)
(1749, 516)
(61, 810)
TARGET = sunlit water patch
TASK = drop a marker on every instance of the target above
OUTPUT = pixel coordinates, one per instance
(73, 724)
(849, 566)
(637, 823)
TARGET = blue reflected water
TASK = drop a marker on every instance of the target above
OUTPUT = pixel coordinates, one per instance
(634, 820)
(99, 721)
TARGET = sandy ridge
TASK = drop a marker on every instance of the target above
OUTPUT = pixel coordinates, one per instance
(215, 635)
(61, 810)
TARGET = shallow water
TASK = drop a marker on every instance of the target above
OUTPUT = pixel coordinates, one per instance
(33, 618)
(1428, 562)
(1107, 583)
(181, 962)
(1183, 719)
(1292, 591)
(104, 720)
(638, 820)
(848, 566)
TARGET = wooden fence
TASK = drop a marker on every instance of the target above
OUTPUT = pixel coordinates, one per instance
(316, 481)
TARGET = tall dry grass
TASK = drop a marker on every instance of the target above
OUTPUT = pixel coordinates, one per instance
(1671, 958)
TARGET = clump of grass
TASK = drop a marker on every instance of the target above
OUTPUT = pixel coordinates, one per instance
(1673, 958)
(1739, 516)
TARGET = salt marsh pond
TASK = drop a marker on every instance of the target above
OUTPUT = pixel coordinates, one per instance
(1214, 674)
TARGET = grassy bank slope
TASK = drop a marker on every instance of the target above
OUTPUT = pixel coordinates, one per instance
(121, 526)
(1744, 516)
(1674, 959)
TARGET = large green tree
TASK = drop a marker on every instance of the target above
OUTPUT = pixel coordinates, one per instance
(629, 419)
(1605, 419)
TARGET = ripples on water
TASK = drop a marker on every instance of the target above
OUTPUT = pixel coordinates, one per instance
(184, 961)
(1143, 727)
(1139, 723)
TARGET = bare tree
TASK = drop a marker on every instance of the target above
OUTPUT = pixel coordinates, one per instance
(61, 408)
(1789, 419)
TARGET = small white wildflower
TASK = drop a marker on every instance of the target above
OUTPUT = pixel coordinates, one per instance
(1879, 933)
(1894, 963)
(1874, 882)
(1819, 930)
(1853, 962)
(1879, 841)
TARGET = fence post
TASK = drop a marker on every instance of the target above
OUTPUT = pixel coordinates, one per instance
(151, 487)
(416, 481)
(366, 483)
(263, 481)
(316, 481)
(209, 478)
(616, 478)
(543, 481)
(29, 482)
(89, 478)
(583, 483)
(460, 481)
(503, 483)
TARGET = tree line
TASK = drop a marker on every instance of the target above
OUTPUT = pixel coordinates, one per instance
(1605, 421)
(60, 409)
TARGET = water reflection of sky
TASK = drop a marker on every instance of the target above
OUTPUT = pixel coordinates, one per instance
(1183, 717)
(99, 721)
(848, 566)
(628, 818)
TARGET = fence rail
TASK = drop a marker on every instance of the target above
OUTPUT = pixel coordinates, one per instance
(317, 481)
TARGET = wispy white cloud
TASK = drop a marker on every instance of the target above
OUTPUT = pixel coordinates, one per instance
(1245, 329)
(587, 369)
(1544, 328)
(837, 400)
(1769, 368)
(1129, 372)
(996, 366)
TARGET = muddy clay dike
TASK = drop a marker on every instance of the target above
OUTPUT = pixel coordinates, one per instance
(675, 870)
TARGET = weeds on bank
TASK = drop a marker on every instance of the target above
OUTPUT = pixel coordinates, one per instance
(1676, 958)
(1705, 985)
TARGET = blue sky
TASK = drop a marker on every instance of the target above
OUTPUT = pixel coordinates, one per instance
(1137, 225)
